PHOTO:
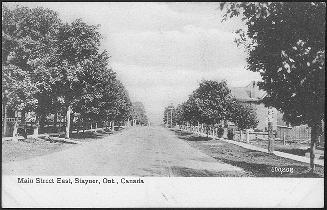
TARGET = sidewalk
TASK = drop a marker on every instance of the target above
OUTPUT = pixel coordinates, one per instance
(277, 153)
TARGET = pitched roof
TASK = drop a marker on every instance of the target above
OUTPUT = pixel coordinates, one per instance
(245, 94)
(240, 93)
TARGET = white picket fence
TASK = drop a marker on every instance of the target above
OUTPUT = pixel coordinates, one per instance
(243, 136)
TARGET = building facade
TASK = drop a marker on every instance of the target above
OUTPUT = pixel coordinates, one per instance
(252, 95)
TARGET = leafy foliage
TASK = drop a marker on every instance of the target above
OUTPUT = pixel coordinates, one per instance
(27, 51)
(139, 113)
(242, 115)
(286, 44)
(48, 66)
(211, 103)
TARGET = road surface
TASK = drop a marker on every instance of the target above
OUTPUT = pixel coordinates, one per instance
(137, 151)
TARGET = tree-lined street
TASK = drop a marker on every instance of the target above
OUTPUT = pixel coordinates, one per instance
(138, 151)
(53, 68)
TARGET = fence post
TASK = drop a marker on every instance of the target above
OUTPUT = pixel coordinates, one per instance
(240, 135)
(284, 140)
(234, 133)
(77, 127)
(4, 128)
(247, 136)
(270, 138)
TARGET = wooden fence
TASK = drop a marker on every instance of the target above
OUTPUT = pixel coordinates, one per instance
(51, 127)
(297, 133)
(283, 134)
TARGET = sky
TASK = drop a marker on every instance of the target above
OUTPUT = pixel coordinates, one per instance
(161, 51)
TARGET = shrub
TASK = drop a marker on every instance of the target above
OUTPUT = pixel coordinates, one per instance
(220, 132)
(230, 134)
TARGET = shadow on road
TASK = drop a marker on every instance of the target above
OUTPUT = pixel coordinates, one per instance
(181, 133)
(300, 152)
(85, 135)
(190, 136)
(191, 172)
(195, 138)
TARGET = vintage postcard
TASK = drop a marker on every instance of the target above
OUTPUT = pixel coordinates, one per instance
(163, 104)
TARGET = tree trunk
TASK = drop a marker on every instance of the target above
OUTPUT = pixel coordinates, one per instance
(71, 124)
(36, 128)
(55, 121)
(42, 122)
(271, 138)
(78, 126)
(69, 110)
(4, 129)
(23, 122)
(314, 139)
(113, 125)
(233, 130)
(15, 134)
(207, 131)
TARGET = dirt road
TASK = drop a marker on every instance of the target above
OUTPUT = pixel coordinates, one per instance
(137, 151)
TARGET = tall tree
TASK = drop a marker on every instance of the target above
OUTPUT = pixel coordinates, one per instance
(179, 112)
(139, 113)
(212, 99)
(242, 115)
(28, 37)
(286, 44)
(78, 44)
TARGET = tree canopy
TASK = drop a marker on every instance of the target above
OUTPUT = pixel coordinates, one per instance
(49, 66)
(139, 113)
(286, 44)
(212, 103)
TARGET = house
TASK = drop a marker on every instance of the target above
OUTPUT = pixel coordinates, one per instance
(253, 95)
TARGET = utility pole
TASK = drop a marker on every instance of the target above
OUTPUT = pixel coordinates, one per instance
(171, 118)
(271, 137)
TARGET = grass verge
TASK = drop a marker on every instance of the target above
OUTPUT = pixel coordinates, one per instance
(33, 147)
(255, 163)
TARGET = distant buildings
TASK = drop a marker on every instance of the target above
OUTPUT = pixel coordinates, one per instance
(252, 95)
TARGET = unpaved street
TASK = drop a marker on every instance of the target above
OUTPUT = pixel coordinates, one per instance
(137, 151)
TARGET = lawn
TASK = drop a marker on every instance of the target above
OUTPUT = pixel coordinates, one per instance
(33, 147)
(28, 148)
(255, 163)
(294, 148)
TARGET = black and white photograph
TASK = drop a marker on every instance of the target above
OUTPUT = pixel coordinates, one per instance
(163, 104)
